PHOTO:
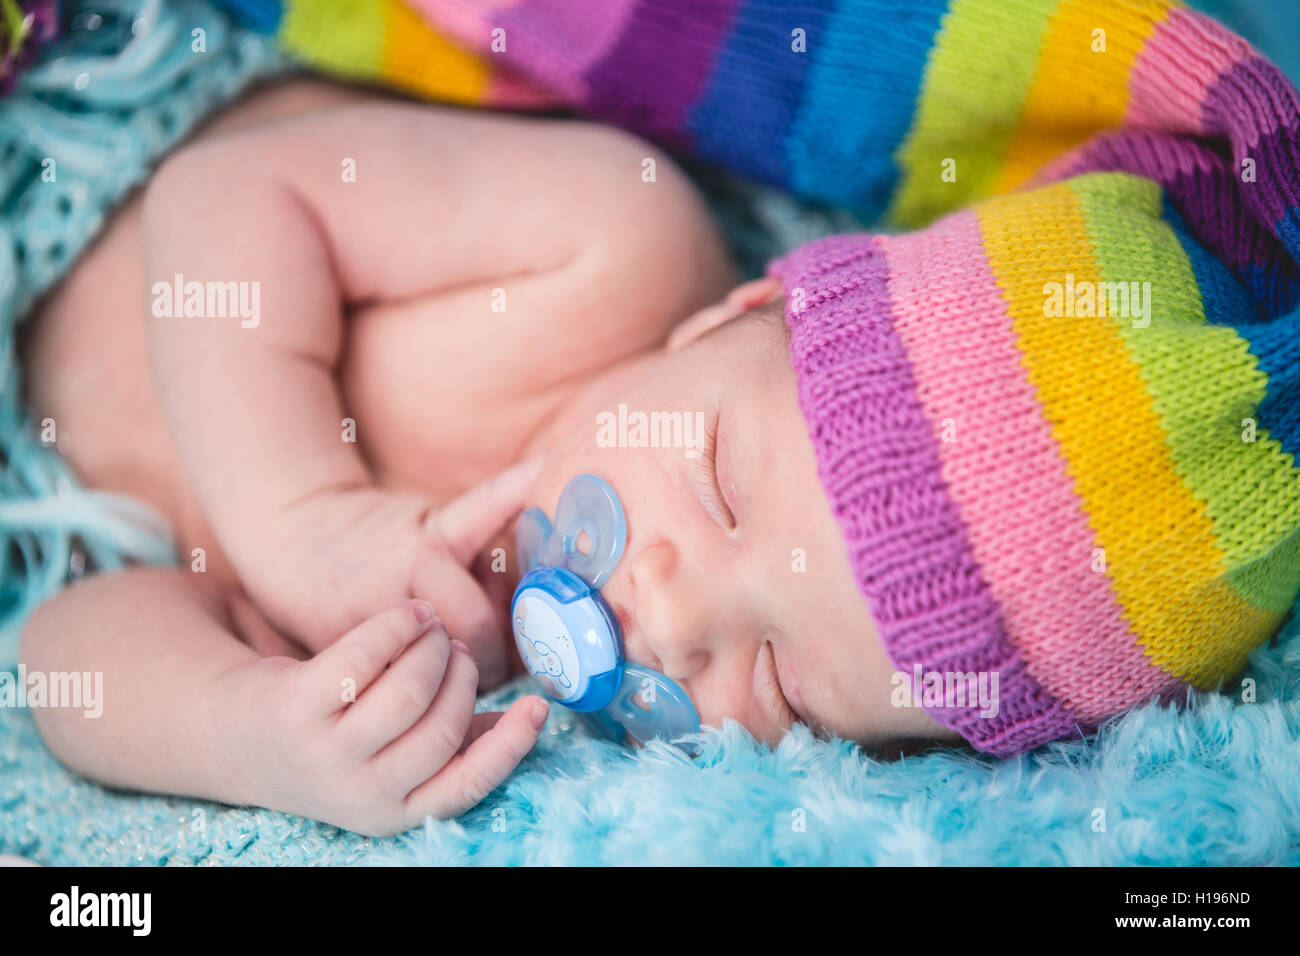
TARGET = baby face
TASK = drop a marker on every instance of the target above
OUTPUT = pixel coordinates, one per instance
(735, 580)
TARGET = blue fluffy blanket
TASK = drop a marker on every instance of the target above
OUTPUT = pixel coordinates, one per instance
(1215, 782)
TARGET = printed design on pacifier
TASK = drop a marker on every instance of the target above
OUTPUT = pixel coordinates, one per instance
(566, 634)
(544, 663)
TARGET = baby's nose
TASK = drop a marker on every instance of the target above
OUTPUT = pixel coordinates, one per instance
(669, 602)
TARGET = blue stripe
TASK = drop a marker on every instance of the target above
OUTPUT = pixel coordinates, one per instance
(758, 74)
(1275, 343)
(1225, 300)
(859, 101)
(1288, 230)
(261, 15)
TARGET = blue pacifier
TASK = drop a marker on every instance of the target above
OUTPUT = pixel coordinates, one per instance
(567, 635)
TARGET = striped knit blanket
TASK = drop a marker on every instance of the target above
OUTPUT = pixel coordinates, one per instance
(855, 102)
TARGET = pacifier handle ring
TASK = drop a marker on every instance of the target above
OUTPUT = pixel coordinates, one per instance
(532, 533)
(589, 504)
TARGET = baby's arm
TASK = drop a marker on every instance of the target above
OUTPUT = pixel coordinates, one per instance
(256, 411)
(441, 198)
(373, 734)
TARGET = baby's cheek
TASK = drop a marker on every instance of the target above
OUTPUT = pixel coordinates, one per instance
(725, 694)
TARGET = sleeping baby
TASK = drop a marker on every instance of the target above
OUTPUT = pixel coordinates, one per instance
(444, 303)
(913, 487)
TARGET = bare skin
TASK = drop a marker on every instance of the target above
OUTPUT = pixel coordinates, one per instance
(324, 555)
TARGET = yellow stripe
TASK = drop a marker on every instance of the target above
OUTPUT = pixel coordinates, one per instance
(426, 63)
(1078, 91)
(1161, 555)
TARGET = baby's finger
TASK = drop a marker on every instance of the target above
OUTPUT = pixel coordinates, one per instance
(472, 775)
(401, 696)
(480, 724)
(466, 610)
(337, 675)
(468, 523)
(439, 734)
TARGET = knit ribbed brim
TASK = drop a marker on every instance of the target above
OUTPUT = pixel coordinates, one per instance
(879, 463)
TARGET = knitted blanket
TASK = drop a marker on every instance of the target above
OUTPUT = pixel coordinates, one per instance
(902, 110)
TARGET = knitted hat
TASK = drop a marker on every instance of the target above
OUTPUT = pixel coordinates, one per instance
(1059, 433)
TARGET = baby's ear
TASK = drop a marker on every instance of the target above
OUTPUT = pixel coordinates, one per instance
(748, 295)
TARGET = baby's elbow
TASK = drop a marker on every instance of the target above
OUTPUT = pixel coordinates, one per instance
(179, 189)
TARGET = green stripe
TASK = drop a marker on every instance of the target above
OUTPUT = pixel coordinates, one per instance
(338, 36)
(1203, 381)
(975, 86)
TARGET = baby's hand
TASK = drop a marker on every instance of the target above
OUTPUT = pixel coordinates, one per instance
(341, 556)
(377, 731)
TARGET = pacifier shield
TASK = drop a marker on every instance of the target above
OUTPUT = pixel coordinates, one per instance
(568, 638)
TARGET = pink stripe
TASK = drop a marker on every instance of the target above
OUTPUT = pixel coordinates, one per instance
(1027, 528)
(469, 22)
(555, 40)
(1176, 68)
(507, 90)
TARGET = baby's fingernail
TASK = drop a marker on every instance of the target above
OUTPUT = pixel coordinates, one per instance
(423, 611)
(539, 714)
(460, 646)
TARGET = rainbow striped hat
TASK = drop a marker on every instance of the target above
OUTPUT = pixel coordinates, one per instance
(1059, 432)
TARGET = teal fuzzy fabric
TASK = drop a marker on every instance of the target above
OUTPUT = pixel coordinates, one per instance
(84, 127)
(1216, 781)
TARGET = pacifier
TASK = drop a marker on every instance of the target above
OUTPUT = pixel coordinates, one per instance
(566, 634)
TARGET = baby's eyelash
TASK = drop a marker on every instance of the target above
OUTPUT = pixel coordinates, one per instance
(705, 474)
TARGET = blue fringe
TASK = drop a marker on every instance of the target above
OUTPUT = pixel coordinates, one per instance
(120, 88)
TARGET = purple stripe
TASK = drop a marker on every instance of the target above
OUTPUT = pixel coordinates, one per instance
(1259, 110)
(879, 464)
(1277, 156)
(649, 80)
(1212, 200)
(560, 39)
